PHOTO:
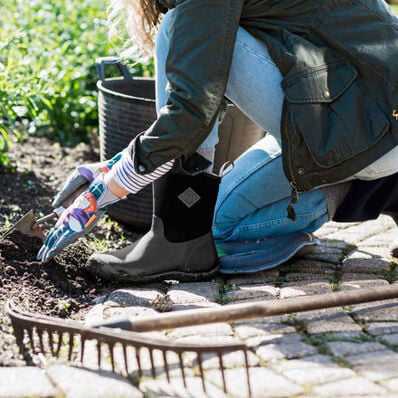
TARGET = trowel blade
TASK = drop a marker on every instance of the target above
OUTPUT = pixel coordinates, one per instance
(25, 226)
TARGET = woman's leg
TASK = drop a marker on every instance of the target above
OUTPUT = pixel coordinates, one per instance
(254, 196)
(257, 180)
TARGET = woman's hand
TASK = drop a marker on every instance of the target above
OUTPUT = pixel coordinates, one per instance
(83, 174)
(79, 218)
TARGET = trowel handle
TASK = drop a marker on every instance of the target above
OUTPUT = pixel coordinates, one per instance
(71, 198)
(65, 204)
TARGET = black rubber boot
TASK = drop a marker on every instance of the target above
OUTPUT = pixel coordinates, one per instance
(179, 244)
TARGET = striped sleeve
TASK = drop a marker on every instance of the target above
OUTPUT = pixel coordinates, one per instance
(126, 176)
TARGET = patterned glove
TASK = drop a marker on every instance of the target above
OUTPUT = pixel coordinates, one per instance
(78, 219)
(83, 174)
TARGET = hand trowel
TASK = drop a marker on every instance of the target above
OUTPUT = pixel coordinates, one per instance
(30, 226)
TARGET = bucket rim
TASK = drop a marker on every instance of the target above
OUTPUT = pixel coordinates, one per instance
(122, 95)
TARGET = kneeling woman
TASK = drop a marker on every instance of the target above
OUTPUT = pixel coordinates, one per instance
(317, 76)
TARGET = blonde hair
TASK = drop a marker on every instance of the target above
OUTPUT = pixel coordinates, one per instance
(140, 20)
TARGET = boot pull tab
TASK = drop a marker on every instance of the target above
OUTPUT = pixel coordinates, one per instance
(294, 198)
(226, 168)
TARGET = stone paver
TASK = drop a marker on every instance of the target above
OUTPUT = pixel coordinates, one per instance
(365, 260)
(131, 297)
(391, 339)
(343, 348)
(176, 389)
(186, 293)
(296, 289)
(347, 352)
(265, 383)
(349, 387)
(253, 292)
(26, 383)
(382, 328)
(385, 311)
(78, 382)
(376, 365)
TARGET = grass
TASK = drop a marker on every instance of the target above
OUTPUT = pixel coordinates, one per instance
(47, 68)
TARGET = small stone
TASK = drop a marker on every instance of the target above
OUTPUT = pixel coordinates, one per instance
(341, 348)
(79, 382)
(162, 303)
(25, 382)
(348, 388)
(184, 293)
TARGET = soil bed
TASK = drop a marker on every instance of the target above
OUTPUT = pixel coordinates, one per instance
(61, 288)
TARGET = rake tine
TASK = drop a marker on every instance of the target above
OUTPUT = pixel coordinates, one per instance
(202, 376)
(51, 342)
(249, 388)
(166, 365)
(30, 334)
(82, 350)
(126, 365)
(153, 370)
(60, 337)
(40, 333)
(99, 354)
(110, 347)
(182, 369)
(222, 372)
(137, 355)
(19, 333)
(71, 343)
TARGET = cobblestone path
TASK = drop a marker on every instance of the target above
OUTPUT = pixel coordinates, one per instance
(341, 352)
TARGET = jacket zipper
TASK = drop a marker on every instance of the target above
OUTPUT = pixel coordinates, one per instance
(294, 195)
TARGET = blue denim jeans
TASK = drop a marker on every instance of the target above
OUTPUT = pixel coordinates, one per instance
(254, 196)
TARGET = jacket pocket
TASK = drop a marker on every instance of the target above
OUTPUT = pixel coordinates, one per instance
(333, 113)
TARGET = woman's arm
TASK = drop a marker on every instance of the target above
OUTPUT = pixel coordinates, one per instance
(201, 41)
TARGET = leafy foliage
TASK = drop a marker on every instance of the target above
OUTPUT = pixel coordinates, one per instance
(47, 68)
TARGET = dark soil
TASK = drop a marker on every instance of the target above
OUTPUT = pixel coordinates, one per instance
(61, 288)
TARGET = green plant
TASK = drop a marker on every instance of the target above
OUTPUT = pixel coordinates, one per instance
(47, 68)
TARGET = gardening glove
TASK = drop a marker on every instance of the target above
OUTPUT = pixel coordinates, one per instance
(79, 218)
(83, 174)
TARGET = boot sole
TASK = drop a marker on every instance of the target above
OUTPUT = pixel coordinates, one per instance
(172, 275)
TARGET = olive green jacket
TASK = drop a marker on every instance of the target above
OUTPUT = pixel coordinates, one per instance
(339, 60)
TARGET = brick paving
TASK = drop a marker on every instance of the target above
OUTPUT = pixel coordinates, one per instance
(338, 352)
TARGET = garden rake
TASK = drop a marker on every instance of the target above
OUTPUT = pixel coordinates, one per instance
(127, 330)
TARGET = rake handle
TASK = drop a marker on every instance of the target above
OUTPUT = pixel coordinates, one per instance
(240, 312)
